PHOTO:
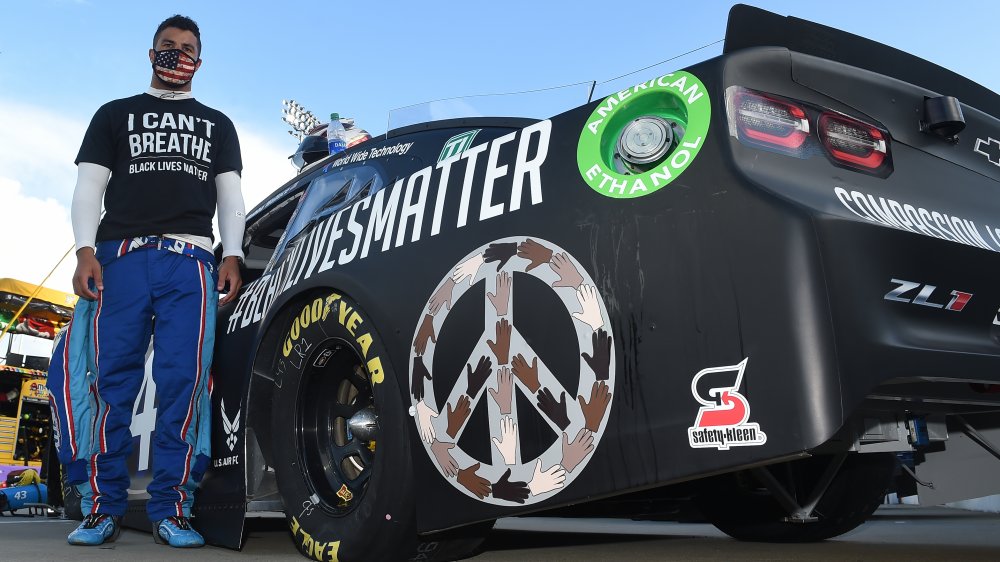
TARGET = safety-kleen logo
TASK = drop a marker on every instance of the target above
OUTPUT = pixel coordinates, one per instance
(722, 419)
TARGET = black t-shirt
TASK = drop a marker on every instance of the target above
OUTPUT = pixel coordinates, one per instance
(163, 156)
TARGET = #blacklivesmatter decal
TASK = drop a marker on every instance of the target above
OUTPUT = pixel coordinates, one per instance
(504, 378)
(722, 419)
(489, 180)
(678, 97)
(170, 142)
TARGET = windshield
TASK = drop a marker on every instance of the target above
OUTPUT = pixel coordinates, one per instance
(541, 103)
(325, 195)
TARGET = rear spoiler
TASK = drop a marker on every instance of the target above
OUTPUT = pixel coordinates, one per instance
(753, 27)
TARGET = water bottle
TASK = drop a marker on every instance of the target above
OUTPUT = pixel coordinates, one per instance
(336, 136)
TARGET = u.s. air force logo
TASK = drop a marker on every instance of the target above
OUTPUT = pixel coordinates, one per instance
(513, 371)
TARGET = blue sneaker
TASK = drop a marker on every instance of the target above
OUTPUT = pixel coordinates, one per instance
(177, 531)
(96, 529)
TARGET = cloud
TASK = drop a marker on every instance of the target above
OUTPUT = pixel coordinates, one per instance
(265, 164)
(38, 147)
(265, 169)
(37, 177)
(37, 233)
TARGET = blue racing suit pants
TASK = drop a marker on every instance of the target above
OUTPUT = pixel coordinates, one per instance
(153, 287)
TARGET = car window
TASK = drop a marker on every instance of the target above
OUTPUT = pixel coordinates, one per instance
(264, 231)
(362, 191)
(326, 195)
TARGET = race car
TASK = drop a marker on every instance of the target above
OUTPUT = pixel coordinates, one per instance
(759, 279)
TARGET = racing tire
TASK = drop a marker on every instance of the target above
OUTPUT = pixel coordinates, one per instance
(347, 497)
(743, 508)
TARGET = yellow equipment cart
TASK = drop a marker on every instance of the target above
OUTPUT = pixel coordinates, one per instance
(24, 402)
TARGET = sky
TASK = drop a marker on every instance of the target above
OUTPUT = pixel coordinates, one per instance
(62, 59)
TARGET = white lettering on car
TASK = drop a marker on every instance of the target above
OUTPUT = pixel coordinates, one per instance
(400, 209)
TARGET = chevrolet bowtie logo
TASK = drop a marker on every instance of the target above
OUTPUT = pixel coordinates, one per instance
(990, 149)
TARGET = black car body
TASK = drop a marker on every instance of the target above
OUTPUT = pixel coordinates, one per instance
(795, 259)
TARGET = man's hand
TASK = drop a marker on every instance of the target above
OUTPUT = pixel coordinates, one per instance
(229, 272)
(87, 268)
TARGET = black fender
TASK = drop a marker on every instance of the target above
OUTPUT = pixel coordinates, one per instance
(240, 478)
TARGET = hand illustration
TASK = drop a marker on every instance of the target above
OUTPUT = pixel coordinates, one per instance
(504, 489)
(528, 375)
(546, 480)
(478, 377)
(593, 412)
(564, 268)
(474, 483)
(420, 373)
(500, 253)
(507, 444)
(601, 359)
(444, 458)
(424, 332)
(457, 417)
(424, 415)
(533, 252)
(591, 313)
(578, 450)
(502, 297)
(505, 389)
(501, 347)
(442, 297)
(556, 411)
(467, 268)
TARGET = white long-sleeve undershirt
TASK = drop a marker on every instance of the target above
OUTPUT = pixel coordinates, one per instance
(232, 213)
(85, 212)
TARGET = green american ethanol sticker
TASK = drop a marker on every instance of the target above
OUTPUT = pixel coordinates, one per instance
(678, 97)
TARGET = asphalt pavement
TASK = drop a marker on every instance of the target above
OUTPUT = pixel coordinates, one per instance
(894, 533)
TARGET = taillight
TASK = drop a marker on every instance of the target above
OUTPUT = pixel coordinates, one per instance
(778, 124)
(852, 142)
(768, 120)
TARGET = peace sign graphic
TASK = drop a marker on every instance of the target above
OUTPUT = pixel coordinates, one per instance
(529, 404)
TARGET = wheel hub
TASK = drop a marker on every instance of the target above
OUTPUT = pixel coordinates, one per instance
(364, 424)
(338, 426)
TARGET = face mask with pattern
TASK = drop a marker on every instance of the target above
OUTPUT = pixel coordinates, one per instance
(174, 66)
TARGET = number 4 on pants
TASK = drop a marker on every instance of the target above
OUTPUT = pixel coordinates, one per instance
(144, 413)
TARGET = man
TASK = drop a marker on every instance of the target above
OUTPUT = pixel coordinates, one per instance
(146, 269)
